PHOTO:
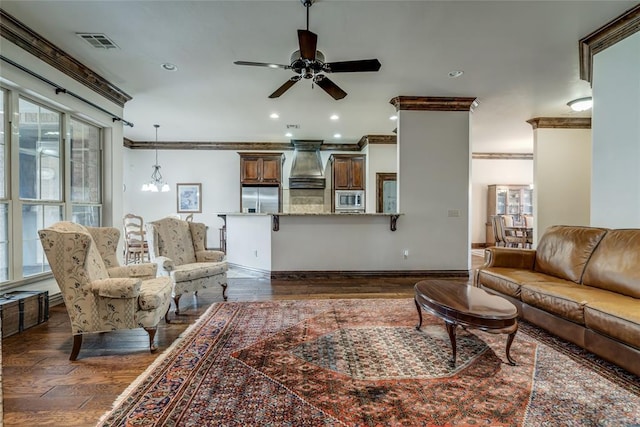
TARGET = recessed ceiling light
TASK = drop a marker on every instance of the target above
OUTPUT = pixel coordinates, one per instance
(288, 134)
(581, 104)
(334, 117)
(274, 115)
(337, 135)
(455, 73)
(394, 117)
(167, 66)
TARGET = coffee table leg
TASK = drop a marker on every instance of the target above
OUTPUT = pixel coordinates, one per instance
(451, 330)
(512, 335)
(419, 314)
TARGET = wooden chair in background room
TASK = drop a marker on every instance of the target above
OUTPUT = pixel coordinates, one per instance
(136, 249)
(497, 235)
(508, 237)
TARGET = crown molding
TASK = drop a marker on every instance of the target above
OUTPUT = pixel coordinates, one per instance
(432, 103)
(560, 123)
(24, 37)
(503, 156)
(606, 36)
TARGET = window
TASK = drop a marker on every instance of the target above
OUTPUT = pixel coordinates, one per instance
(86, 173)
(51, 169)
(4, 205)
(40, 171)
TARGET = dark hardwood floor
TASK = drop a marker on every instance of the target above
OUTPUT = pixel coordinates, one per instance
(42, 387)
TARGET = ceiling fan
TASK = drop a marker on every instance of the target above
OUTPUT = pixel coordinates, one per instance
(308, 63)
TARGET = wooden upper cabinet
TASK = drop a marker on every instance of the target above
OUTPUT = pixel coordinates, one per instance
(261, 168)
(348, 172)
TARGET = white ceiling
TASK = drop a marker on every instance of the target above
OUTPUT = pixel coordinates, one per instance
(520, 59)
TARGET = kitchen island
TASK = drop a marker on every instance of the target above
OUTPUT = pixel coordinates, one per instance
(289, 244)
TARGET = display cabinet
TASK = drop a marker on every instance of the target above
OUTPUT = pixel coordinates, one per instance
(515, 200)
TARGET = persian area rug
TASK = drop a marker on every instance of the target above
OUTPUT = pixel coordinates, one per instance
(363, 363)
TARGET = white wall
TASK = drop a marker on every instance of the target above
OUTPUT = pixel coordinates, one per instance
(493, 171)
(615, 190)
(249, 241)
(562, 174)
(434, 178)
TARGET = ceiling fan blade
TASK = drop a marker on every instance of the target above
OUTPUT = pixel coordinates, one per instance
(261, 64)
(285, 87)
(330, 87)
(352, 66)
(308, 42)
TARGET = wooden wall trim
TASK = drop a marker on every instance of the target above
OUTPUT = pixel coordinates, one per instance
(432, 103)
(262, 146)
(606, 36)
(24, 37)
(503, 156)
(385, 273)
(560, 122)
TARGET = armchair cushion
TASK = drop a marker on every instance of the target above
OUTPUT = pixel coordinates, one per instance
(187, 272)
(142, 271)
(117, 287)
(209, 256)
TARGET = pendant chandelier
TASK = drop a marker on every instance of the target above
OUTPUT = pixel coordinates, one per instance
(156, 184)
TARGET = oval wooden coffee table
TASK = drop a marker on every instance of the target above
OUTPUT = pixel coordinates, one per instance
(467, 306)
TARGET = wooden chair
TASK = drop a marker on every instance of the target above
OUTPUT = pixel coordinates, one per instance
(509, 238)
(136, 249)
(497, 235)
(99, 295)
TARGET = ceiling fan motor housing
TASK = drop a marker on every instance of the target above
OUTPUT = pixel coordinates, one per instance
(307, 68)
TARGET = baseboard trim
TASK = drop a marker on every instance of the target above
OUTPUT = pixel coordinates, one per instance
(295, 275)
(253, 270)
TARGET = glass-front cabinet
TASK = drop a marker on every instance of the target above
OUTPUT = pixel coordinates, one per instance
(516, 200)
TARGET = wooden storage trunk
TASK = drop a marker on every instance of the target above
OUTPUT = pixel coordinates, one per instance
(23, 309)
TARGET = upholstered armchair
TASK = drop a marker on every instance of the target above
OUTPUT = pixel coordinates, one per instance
(178, 248)
(100, 298)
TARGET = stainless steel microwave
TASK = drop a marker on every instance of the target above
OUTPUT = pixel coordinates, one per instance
(349, 200)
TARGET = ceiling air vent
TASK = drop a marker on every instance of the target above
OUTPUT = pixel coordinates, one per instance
(99, 41)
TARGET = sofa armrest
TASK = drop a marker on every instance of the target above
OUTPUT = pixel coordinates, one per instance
(510, 258)
(117, 287)
(209, 256)
(142, 271)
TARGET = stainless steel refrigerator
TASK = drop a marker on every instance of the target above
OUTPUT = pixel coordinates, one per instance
(260, 199)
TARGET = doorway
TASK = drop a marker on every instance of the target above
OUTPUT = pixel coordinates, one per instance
(386, 193)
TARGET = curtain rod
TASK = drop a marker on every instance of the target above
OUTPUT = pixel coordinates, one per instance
(60, 89)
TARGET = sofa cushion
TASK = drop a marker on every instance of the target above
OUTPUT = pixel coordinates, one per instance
(615, 264)
(616, 316)
(563, 251)
(507, 281)
(565, 299)
(154, 292)
(186, 272)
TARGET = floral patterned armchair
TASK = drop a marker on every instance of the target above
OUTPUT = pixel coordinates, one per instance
(100, 295)
(178, 248)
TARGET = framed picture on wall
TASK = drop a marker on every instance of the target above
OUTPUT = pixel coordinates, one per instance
(189, 198)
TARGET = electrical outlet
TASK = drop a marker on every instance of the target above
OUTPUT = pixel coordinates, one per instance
(405, 253)
(453, 213)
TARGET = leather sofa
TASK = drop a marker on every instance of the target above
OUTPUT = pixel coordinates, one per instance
(580, 283)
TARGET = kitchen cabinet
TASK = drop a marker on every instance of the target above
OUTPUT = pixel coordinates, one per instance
(261, 168)
(516, 200)
(348, 171)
